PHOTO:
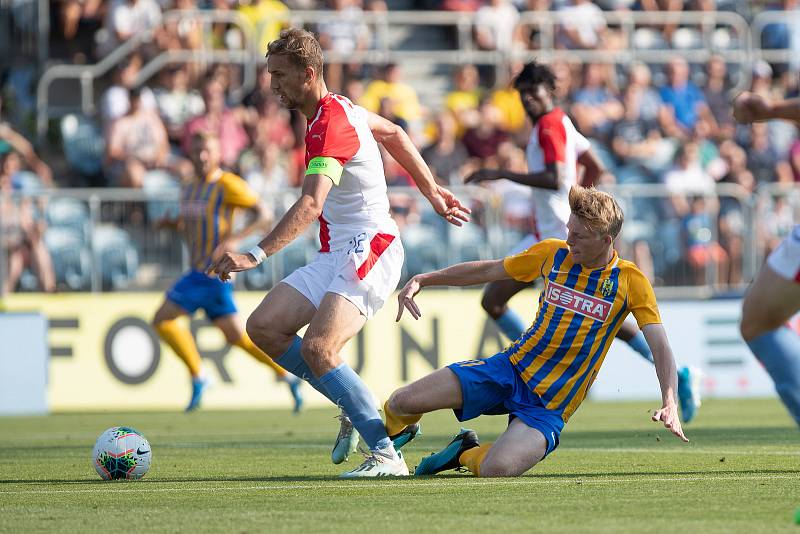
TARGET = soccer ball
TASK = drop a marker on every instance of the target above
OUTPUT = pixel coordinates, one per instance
(121, 452)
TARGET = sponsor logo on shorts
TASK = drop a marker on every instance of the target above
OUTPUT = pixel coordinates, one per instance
(577, 302)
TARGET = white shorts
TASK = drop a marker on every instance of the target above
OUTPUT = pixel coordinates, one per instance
(785, 260)
(365, 273)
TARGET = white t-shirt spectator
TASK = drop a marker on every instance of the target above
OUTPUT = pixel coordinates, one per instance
(498, 23)
(586, 20)
(346, 31)
(177, 107)
(116, 102)
(127, 18)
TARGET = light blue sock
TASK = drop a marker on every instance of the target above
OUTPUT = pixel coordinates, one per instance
(779, 351)
(639, 344)
(511, 324)
(292, 360)
(349, 391)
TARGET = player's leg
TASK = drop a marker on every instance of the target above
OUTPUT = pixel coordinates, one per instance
(517, 450)
(336, 321)
(769, 303)
(405, 407)
(495, 302)
(170, 329)
(235, 335)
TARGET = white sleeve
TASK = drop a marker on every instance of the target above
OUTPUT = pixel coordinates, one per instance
(581, 143)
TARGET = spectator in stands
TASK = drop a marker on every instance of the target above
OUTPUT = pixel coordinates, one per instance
(686, 178)
(137, 142)
(794, 161)
(392, 86)
(763, 160)
(344, 35)
(463, 100)
(775, 224)
(404, 210)
(582, 26)
(185, 33)
(637, 142)
(265, 16)
(387, 108)
(669, 27)
(639, 76)
(595, 108)
(267, 170)
(227, 124)
(115, 101)
(731, 224)
(126, 18)
(506, 99)
(784, 35)
(702, 251)
(73, 11)
(716, 96)
(683, 102)
(497, 26)
(446, 157)
(269, 123)
(12, 141)
(483, 141)
(21, 233)
(177, 102)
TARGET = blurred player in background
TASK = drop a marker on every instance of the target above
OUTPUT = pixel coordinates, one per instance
(207, 208)
(774, 296)
(361, 257)
(541, 378)
(554, 151)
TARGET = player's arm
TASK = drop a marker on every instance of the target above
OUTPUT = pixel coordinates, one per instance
(667, 378)
(749, 107)
(295, 221)
(462, 274)
(594, 169)
(550, 178)
(396, 141)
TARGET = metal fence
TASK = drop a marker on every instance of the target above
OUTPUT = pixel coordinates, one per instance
(105, 239)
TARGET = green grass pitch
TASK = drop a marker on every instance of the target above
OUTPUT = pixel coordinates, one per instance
(252, 471)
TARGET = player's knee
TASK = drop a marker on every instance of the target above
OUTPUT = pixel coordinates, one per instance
(260, 335)
(400, 402)
(492, 305)
(500, 467)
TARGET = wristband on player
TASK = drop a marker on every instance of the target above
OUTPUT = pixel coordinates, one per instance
(258, 254)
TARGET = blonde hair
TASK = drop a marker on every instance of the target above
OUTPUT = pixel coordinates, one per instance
(598, 210)
(301, 46)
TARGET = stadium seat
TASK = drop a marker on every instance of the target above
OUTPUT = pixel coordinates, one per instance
(424, 249)
(648, 39)
(468, 243)
(71, 258)
(687, 39)
(83, 144)
(67, 212)
(115, 255)
(162, 191)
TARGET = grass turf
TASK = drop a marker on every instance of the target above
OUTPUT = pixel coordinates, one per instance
(615, 471)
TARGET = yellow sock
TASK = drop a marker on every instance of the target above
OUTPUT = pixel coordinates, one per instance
(180, 339)
(472, 458)
(247, 344)
(396, 423)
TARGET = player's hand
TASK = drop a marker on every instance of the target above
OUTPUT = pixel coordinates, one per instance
(226, 246)
(231, 262)
(668, 414)
(449, 207)
(482, 175)
(405, 299)
(749, 107)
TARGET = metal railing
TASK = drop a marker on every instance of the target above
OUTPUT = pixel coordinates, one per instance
(139, 258)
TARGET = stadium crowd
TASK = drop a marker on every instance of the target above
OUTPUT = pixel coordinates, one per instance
(664, 123)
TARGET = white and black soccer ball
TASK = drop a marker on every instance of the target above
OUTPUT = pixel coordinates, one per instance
(121, 453)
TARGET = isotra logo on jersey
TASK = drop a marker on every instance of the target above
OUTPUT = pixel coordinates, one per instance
(578, 302)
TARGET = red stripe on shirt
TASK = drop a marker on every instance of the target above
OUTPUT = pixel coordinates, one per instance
(797, 277)
(324, 235)
(553, 136)
(377, 245)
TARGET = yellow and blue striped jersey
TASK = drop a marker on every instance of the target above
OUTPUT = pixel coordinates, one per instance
(207, 210)
(580, 312)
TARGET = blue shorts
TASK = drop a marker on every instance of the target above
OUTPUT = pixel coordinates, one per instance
(493, 387)
(198, 290)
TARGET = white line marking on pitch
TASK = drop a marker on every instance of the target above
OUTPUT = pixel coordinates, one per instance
(188, 486)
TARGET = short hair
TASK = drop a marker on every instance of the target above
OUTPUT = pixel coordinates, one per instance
(202, 136)
(300, 45)
(598, 210)
(533, 74)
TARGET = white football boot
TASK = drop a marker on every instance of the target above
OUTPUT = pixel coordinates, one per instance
(380, 464)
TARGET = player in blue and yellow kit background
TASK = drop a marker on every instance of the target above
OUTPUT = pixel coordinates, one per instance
(541, 378)
(207, 209)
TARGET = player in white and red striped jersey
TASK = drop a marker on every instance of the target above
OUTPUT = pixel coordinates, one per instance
(774, 297)
(359, 263)
(554, 152)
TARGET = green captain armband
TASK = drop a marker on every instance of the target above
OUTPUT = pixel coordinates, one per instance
(330, 167)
